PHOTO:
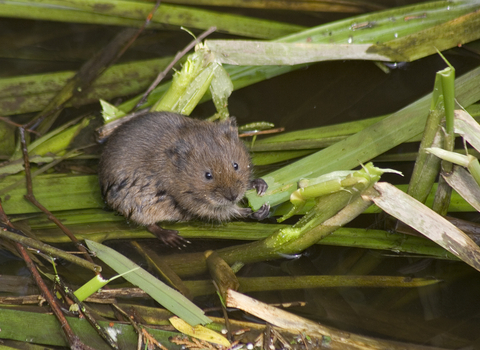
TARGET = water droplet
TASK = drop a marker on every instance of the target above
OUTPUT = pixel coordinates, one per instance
(350, 40)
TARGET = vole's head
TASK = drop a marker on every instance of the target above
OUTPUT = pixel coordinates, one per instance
(212, 167)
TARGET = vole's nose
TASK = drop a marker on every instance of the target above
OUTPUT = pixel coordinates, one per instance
(231, 195)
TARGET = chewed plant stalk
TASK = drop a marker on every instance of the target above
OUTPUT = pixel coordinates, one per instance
(330, 212)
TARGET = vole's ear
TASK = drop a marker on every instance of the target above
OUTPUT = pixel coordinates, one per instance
(178, 153)
(229, 127)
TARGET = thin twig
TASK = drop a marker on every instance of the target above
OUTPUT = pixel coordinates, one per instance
(134, 324)
(135, 36)
(261, 132)
(31, 197)
(8, 121)
(89, 72)
(73, 340)
(106, 296)
(142, 332)
(19, 237)
(35, 122)
(85, 76)
(105, 131)
(177, 57)
(93, 322)
(228, 326)
(34, 299)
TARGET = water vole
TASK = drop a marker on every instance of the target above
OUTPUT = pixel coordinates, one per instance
(167, 167)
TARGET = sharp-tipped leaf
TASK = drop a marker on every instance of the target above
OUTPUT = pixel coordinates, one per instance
(163, 294)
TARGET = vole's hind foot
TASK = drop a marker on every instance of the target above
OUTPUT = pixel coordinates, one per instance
(168, 237)
(259, 185)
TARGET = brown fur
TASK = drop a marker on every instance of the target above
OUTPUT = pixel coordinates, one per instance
(153, 168)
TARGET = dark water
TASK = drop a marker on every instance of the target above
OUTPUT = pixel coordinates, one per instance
(446, 315)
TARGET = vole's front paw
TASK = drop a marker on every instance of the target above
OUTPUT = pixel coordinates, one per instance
(261, 213)
(259, 185)
(168, 237)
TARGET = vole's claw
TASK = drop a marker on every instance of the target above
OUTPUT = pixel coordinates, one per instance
(261, 213)
(168, 237)
(260, 185)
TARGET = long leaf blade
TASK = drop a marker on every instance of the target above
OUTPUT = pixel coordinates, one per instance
(166, 296)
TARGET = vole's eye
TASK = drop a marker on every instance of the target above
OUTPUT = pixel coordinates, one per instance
(208, 175)
(235, 166)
